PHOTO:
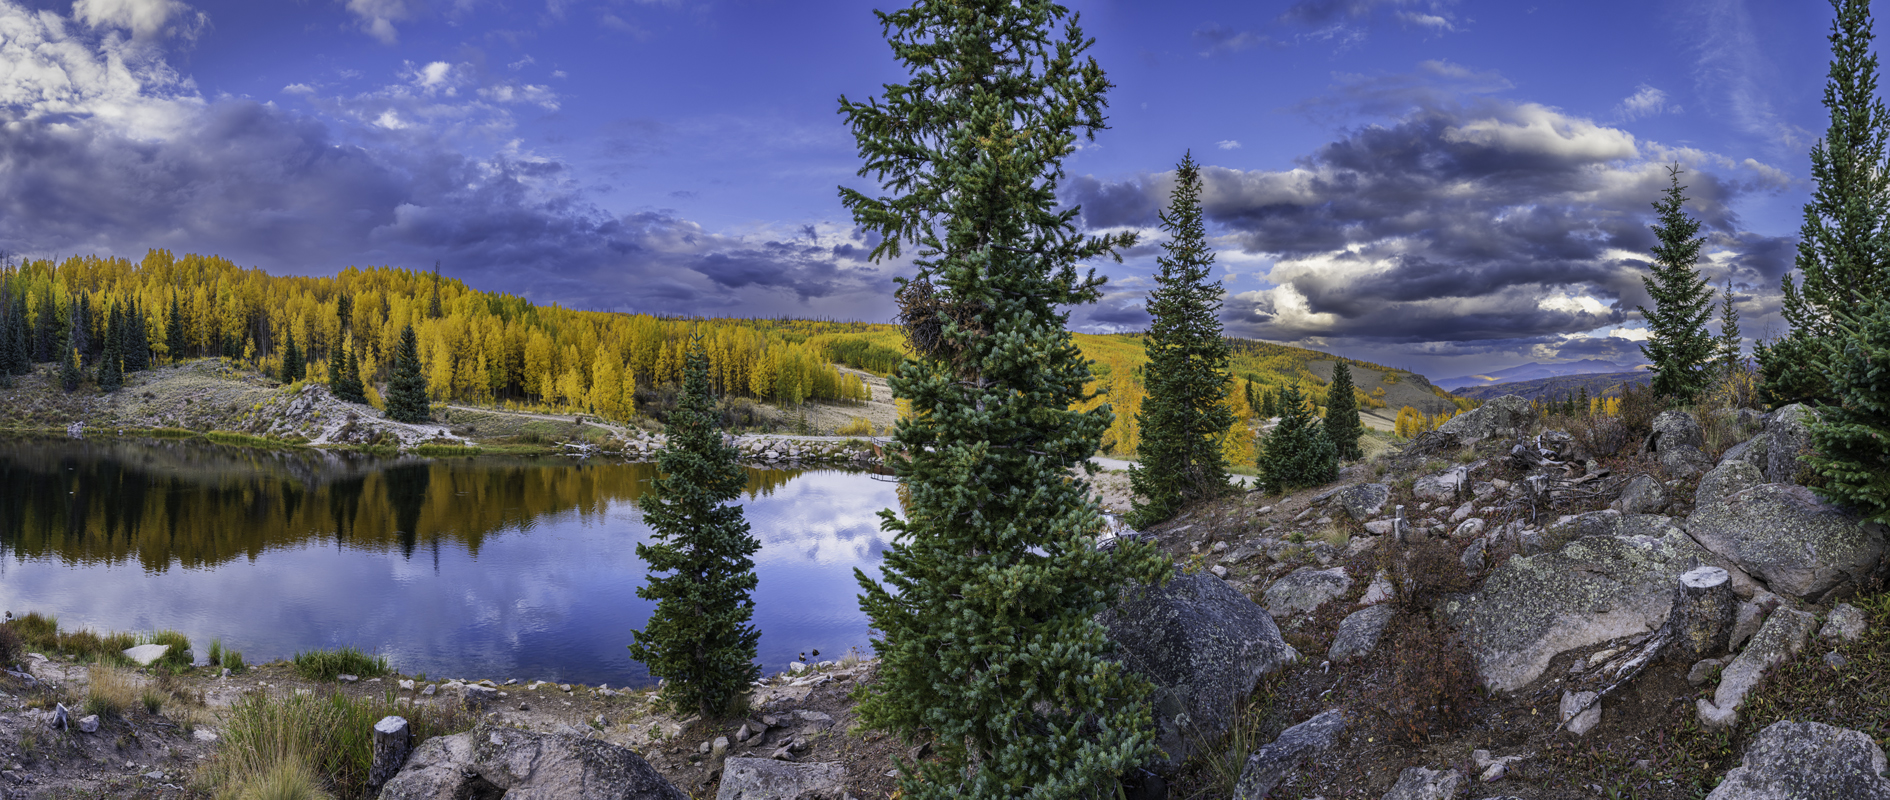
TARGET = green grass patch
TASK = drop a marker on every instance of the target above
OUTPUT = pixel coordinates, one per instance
(176, 659)
(233, 661)
(330, 735)
(324, 665)
(246, 440)
(169, 433)
(445, 450)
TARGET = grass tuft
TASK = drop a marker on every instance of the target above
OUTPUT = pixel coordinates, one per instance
(324, 665)
(442, 450)
(332, 734)
(111, 691)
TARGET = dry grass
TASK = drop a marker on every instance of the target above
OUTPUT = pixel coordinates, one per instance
(332, 734)
(111, 691)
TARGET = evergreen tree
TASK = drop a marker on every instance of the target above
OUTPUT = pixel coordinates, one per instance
(1185, 415)
(701, 565)
(1251, 400)
(69, 372)
(137, 344)
(1297, 452)
(1269, 405)
(1582, 402)
(406, 387)
(1843, 250)
(291, 361)
(1851, 438)
(174, 331)
(993, 579)
(12, 359)
(1726, 348)
(1342, 423)
(46, 335)
(111, 362)
(433, 305)
(81, 333)
(1677, 341)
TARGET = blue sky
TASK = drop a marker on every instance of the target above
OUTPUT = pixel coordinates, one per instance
(1448, 186)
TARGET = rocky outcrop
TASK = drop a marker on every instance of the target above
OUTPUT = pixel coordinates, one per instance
(768, 779)
(1508, 415)
(1590, 591)
(492, 761)
(1797, 544)
(1642, 495)
(1364, 501)
(1418, 783)
(1304, 590)
(1275, 762)
(1776, 449)
(1445, 486)
(1796, 760)
(1782, 635)
(1204, 646)
(1678, 443)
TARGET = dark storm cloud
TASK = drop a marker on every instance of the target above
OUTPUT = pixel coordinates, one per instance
(1453, 228)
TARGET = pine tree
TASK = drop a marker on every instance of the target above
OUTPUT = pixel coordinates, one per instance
(407, 387)
(1726, 347)
(699, 637)
(1185, 415)
(70, 373)
(1297, 452)
(174, 331)
(111, 363)
(993, 579)
(1269, 404)
(1843, 252)
(137, 345)
(433, 305)
(349, 386)
(11, 359)
(83, 322)
(1342, 423)
(1851, 438)
(1677, 341)
(46, 336)
(291, 361)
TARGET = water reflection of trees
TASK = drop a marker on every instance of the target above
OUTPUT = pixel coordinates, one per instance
(198, 505)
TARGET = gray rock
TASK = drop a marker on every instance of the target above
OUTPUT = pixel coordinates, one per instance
(492, 761)
(88, 723)
(768, 779)
(1783, 635)
(1508, 415)
(144, 654)
(478, 697)
(1359, 633)
(1704, 669)
(1444, 486)
(1581, 712)
(1590, 591)
(1777, 449)
(1204, 646)
(1475, 558)
(1304, 590)
(1363, 501)
(1575, 526)
(1845, 622)
(1797, 544)
(1275, 762)
(1747, 617)
(1836, 660)
(1418, 783)
(1463, 512)
(1674, 429)
(1729, 478)
(1806, 761)
(1471, 528)
(1642, 495)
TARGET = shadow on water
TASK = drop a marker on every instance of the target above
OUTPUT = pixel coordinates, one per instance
(494, 566)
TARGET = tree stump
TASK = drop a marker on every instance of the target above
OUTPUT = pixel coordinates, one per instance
(1702, 614)
(393, 739)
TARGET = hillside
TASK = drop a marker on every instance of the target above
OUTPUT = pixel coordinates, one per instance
(1535, 371)
(1603, 384)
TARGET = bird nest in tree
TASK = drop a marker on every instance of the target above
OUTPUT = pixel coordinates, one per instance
(924, 312)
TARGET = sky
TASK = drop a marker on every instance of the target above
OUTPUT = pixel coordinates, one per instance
(1448, 187)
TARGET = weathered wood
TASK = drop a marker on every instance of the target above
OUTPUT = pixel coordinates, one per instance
(393, 740)
(1697, 626)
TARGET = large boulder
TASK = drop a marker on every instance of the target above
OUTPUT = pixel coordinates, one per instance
(1445, 486)
(1643, 495)
(1363, 501)
(493, 761)
(1775, 451)
(1418, 783)
(1204, 646)
(1275, 762)
(1797, 760)
(1729, 478)
(1678, 443)
(768, 779)
(1504, 416)
(1796, 543)
(1304, 590)
(1359, 633)
(1589, 591)
(1783, 635)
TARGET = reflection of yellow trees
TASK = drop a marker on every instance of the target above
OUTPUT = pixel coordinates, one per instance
(481, 347)
(195, 505)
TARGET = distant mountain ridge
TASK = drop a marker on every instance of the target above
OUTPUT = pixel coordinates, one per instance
(1535, 371)
(1598, 384)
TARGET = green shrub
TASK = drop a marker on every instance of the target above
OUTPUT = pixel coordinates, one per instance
(216, 652)
(1297, 452)
(324, 665)
(176, 658)
(37, 631)
(233, 661)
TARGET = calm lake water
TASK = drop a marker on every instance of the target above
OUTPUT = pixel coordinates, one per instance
(486, 567)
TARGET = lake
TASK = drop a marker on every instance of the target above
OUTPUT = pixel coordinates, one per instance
(481, 567)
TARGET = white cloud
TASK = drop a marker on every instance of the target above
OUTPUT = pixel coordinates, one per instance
(144, 18)
(1538, 129)
(49, 70)
(298, 88)
(1646, 101)
(377, 17)
(1228, 144)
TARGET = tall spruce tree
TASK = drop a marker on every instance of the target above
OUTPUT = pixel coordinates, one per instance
(1843, 247)
(111, 362)
(81, 332)
(1342, 423)
(1297, 452)
(137, 345)
(1185, 414)
(1851, 438)
(174, 342)
(993, 580)
(46, 334)
(344, 374)
(1677, 341)
(13, 359)
(69, 372)
(292, 369)
(1726, 347)
(406, 386)
(701, 563)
